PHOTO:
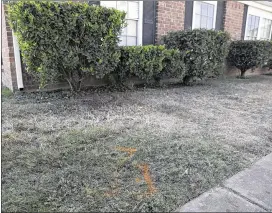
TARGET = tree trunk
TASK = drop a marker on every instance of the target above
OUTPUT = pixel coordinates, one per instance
(74, 86)
(187, 80)
(243, 72)
(75, 81)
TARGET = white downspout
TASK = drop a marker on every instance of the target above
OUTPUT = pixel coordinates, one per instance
(18, 65)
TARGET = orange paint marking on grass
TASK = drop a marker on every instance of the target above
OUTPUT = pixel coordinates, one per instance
(129, 150)
(115, 190)
(145, 171)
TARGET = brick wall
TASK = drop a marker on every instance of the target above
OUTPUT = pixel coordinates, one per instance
(170, 17)
(233, 19)
(8, 71)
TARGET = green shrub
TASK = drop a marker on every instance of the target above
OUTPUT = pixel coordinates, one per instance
(67, 40)
(246, 55)
(205, 51)
(149, 62)
(173, 65)
(270, 63)
(141, 61)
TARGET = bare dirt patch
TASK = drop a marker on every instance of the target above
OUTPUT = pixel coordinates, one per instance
(144, 150)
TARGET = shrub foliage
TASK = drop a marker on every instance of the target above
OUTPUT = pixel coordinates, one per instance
(270, 63)
(173, 65)
(246, 55)
(149, 63)
(67, 40)
(205, 51)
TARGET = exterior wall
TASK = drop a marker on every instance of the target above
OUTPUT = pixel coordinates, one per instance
(170, 17)
(233, 19)
(9, 71)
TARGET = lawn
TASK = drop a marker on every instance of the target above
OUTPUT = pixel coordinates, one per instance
(143, 150)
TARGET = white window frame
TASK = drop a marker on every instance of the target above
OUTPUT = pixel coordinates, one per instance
(139, 22)
(215, 12)
(260, 13)
(258, 5)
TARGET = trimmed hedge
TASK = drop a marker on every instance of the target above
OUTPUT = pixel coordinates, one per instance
(149, 63)
(269, 63)
(173, 65)
(246, 55)
(67, 40)
(205, 51)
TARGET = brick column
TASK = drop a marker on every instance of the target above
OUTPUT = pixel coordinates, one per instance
(170, 17)
(233, 20)
(9, 71)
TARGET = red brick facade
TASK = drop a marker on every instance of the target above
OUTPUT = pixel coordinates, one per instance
(233, 19)
(170, 17)
(8, 71)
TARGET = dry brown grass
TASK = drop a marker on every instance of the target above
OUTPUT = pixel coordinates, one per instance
(60, 153)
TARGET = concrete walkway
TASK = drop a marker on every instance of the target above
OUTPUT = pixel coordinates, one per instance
(248, 191)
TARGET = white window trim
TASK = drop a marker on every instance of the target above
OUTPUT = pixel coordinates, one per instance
(140, 23)
(215, 12)
(260, 13)
(257, 5)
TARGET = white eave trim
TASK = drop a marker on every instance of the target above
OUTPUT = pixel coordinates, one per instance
(257, 5)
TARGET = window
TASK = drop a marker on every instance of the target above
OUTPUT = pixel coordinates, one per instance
(252, 27)
(132, 33)
(204, 14)
(266, 29)
(258, 27)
